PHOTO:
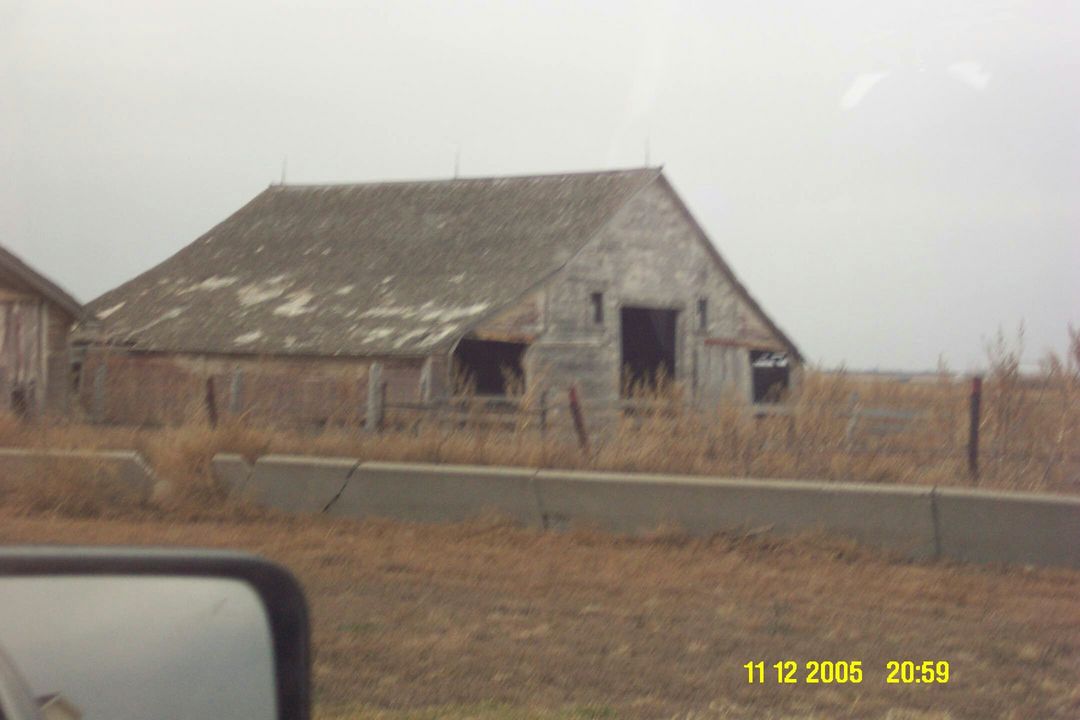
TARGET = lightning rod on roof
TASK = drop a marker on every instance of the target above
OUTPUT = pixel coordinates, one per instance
(284, 167)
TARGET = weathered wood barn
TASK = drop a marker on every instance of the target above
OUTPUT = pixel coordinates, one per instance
(36, 317)
(603, 279)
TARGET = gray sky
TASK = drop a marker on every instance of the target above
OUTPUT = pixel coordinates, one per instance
(891, 180)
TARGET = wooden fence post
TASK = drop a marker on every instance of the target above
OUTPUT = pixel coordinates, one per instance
(236, 390)
(211, 402)
(973, 431)
(99, 392)
(543, 413)
(376, 399)
(579, 418)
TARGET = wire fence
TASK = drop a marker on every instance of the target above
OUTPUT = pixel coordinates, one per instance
(1014, 432)
(943, 431)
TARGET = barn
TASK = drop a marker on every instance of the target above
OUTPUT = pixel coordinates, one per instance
(36, 317)
(495, 285)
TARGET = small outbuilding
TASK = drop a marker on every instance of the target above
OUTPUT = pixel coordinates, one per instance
(500, 285)
(36, 317)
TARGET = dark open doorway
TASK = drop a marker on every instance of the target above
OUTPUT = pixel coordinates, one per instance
(489, 367)
(648, 346)
(771, 375)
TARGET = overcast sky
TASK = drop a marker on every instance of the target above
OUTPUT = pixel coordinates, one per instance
(892, 181)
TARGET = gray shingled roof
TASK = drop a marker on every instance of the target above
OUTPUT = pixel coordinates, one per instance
(41, 284)
(399, 268)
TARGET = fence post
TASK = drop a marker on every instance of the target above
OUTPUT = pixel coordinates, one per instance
(99, 392)
(376, 399)
(211, 402)
(236, 390)
(543, 413)
(853, 421)
(579, 418)
(973, 432)
(425, 381)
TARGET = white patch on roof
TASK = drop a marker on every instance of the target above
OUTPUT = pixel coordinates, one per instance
(290, 340)
(405, 312)
(297, 304)
(255, 293)
(379, 333)
(170, 315)
(344, 290)
(248, 338)
(211, 283)
(458, 279)
(109, 311)
(404, 338)
(454, 313)
(438, 336)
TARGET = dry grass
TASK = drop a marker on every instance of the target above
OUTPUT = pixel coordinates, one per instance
(490, 622)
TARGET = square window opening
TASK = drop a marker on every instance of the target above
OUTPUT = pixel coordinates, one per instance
(597, 300)
(771, 374)
(489, 367)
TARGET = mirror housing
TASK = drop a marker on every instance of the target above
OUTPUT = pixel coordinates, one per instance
(281, 597)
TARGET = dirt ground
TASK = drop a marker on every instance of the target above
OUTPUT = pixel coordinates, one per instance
(488, 621)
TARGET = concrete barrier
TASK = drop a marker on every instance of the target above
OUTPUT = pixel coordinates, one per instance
(918, 522)
(898, 518)
(439, 493)
(124, 467)
(298, 484)
(232, 471)
(979, 526)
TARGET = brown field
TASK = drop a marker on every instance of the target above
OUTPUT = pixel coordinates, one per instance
(491, 622)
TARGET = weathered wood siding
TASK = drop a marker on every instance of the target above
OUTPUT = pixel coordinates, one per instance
(648, 255)
(135, 388)
(58, 362)
(34, 355)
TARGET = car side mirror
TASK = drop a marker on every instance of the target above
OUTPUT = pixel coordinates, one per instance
(88, 633)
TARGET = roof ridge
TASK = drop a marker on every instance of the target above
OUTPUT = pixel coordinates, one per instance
(47, 287)
(472, 178)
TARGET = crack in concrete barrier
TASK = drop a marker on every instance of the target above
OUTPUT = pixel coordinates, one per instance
(344, 485)
(934, 523)
(238, 491)
(963, 524)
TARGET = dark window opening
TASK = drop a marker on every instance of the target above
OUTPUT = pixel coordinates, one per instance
(76, 376)
(21, 398)
(489, 367)
(648, 347)
(597, 308)
(771, 375)
(703, 314)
